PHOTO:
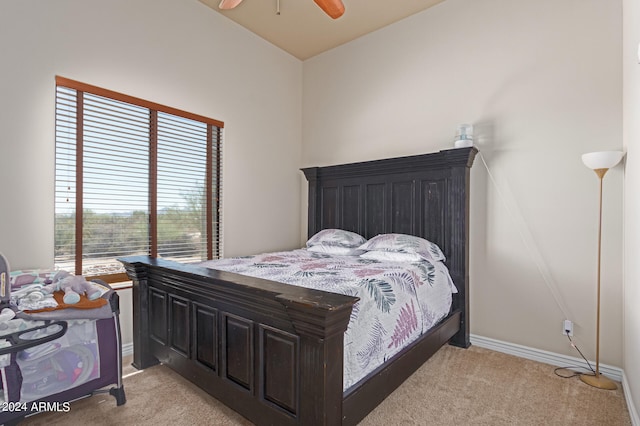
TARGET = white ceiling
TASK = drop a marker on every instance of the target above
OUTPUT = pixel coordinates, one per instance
(304, 30)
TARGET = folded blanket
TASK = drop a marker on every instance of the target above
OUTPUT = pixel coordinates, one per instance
(28, 304)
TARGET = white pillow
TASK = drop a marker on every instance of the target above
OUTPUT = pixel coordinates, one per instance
(401, 243)
(391, 256)
(336, 237)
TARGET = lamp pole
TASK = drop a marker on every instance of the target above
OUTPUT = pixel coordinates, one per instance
(598, 380)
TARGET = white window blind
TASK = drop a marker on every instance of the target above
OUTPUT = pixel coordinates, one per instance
(132, 177)
(182, 159)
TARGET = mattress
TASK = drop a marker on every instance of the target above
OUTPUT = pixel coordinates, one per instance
(399, 301)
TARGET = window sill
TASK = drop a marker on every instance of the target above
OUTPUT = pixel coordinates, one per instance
(122, 285)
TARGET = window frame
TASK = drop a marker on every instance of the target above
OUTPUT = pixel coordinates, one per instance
(213, 166)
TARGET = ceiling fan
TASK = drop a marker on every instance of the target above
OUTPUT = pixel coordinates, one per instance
(333, 8)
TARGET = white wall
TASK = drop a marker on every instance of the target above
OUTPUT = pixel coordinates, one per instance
(542, 83)
(175, 52)
(631, 72)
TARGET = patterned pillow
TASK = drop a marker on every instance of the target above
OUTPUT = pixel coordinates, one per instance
(336, 237)
(402, 243)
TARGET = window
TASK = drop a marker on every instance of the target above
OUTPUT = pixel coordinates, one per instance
(132, 177)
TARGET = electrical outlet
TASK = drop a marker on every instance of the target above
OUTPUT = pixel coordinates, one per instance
(567, 326)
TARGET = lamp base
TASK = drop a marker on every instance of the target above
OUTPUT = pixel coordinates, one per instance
(599, 381)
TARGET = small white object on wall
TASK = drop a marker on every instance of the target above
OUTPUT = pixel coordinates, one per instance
(464, 136)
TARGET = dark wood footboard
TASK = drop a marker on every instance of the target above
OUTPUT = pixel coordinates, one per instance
(273, 352)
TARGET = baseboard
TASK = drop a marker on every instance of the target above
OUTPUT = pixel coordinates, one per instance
(546, 357)
(558, 360)
(633, 413)
(127, 349)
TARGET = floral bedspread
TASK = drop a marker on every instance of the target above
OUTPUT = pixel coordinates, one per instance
(398, 301)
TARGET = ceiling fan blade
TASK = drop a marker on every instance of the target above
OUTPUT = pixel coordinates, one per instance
(333, 8)
(228, 4)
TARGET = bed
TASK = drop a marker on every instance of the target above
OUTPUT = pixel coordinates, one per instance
(274, 352)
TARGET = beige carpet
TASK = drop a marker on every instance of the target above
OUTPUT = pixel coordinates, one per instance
(455, 387)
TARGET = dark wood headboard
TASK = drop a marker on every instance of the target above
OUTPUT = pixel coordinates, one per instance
(424, 195)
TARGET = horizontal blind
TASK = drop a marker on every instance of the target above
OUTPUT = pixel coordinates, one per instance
(216, 190)
(115, 217)
(132, 177)
(65, 184)
(182, 188)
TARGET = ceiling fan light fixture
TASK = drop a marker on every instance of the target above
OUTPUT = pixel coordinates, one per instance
(228, 4)
(333, 8)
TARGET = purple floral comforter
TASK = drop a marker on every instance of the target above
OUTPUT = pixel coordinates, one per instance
(398, 301)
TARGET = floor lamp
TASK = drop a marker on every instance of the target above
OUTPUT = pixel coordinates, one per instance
(600, 162)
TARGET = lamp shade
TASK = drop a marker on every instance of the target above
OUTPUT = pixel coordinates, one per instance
(602, 159)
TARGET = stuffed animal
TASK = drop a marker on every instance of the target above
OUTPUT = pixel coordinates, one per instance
(73, 286)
